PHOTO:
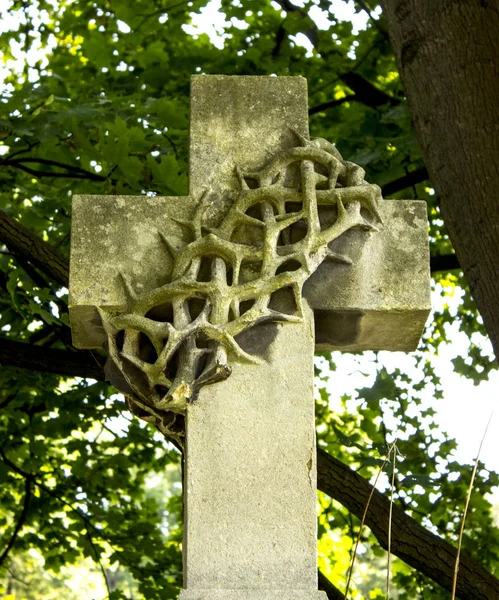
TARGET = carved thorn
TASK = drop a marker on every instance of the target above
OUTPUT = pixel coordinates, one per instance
(284, 317)
(302, 139)
(319, 179)
(374, 210)
(285, 221)
(244, 218)
(129, 291)
(234, 307)
(105, 320)
(177, 398)
(202, 207)
(242, 355)
(279, 178)
(172, 249)
(298, 299)
(219, 335)
(162, 379)
(204, 194)
(369, 227)
(182, 223)
(216, 370)
(134, 402)
(342, 211)
(142, 365)
(242, 180)
(214, 373)
(340, 258)
(202, 318)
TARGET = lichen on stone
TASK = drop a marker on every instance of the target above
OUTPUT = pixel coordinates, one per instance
(185, 334)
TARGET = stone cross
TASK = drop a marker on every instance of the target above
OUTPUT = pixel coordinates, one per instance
(211, 307)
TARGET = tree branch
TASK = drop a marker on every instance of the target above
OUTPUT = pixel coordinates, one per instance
(93, 177)
(376, 23)
(280, 36)
(28, 489)
(34, 275)
(312, 32)
(326, 105)
(42, 255)
(366, 92)
(332, 592)
(444, 262)
(62, 362)
(413, 543)
(412, 178)
(84, 517)
(73, 171)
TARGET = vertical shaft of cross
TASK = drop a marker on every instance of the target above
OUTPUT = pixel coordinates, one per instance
(250, 484)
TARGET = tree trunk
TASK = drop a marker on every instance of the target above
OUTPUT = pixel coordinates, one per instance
(447, 53)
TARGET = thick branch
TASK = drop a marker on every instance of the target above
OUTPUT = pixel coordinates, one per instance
(415, 545)
(444, 262)
(412, 178)
(20, 521)
(86, 518)
(375, 22)
(280, 36)
(42, 255)
(71, 171)
(311, 32)
(332, 592)
(366, 92)
(61, 362)
(331, 104)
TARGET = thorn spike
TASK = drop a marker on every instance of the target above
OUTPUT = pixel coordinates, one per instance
(173, 250)
(336, 257)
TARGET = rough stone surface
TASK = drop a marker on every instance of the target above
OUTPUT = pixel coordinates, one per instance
(113, 236)
(382, 300)
(241, 121)
(283, 594)
(250, 478)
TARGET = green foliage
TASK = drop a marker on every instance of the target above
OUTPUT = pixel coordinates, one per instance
(103, 109)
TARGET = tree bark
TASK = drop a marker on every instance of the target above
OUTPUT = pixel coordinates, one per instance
(447, 53)
(82, 363)
(29, 246)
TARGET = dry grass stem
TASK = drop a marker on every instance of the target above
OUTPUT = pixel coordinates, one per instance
(380, 470)
(463, 520)
(388, 568)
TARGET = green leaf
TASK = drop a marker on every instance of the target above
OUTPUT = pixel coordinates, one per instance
(167, 176)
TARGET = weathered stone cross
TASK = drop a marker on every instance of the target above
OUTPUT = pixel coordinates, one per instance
(182, 291)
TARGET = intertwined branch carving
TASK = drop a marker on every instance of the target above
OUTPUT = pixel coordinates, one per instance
(184, 334)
